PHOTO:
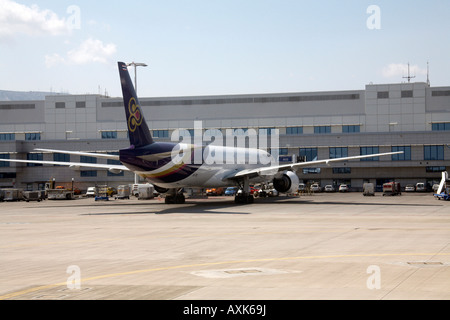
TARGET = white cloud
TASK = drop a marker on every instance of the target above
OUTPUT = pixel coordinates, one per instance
(401, 70)
(17, 18)
(53, 60)
(90, 51)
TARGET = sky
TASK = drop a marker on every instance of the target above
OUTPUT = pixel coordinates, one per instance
(221, 47)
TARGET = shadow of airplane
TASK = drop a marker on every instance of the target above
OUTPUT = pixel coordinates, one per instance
(222, 206)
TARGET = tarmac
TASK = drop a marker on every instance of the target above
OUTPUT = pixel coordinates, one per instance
(321, 246)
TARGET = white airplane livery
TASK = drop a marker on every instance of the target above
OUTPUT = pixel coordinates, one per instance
(170, 167)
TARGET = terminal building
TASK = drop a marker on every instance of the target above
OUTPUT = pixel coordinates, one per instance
(409, 117)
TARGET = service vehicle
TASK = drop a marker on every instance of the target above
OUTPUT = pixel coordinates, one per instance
(421, 187)
(90, 192)
(392, 189)
(214, 192)
(368, 189)
(231, 191)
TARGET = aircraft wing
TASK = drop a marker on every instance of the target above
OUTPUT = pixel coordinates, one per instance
(74, 165)
(88, 154)
(267, 171)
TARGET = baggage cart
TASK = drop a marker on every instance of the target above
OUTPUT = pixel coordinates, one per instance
(123, 192)
(101, 193)
(32, 196)
(13, 195)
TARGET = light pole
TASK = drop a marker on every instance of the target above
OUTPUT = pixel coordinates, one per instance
(135, 65)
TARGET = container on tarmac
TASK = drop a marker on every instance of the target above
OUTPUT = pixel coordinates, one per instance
(13, 194)
(392, 189)
(369, 189)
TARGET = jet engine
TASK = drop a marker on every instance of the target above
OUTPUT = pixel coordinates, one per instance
(288, 182)
(160, 190)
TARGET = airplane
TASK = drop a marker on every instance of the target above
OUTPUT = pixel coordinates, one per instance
(169, 166)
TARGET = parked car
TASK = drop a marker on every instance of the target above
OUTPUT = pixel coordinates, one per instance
(410, 188)
(343, 188)
(214, 191)
(231, 191)
(421, 187)
(301, 187)
(91, 192)
(329, 188)
(315, 188)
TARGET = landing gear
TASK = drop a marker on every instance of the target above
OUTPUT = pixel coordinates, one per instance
(175, 197)
(244, 197)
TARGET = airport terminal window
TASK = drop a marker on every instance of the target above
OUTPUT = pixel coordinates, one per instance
(370, 150)
(294, 130)
(186, 132)
(109, 135)
(322, 129)
(283, 151)
(213, 132)
(160, 133)
(32, 136)
(339, 152)
(85, 159)
(344, 170)
(351, 129)
(406, 156)
(80, 104)
(110, 174)
(35, 157)
(311, 171)
(114, 162)
(407, 94)
(7, 137)
(60, 105)
(433, 152)
(266, 131)
(383, 95)
(445, 93)
(61, 157)
(436, 169)
(309, 153)
(445, 126)
(4, 164)
(87, 174)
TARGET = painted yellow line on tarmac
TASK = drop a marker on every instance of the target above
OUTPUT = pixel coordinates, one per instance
(39, 288)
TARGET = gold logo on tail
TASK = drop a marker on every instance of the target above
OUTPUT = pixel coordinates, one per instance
(136, 117)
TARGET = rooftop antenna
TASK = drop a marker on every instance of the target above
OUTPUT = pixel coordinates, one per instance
(409, 77)
(428, 73)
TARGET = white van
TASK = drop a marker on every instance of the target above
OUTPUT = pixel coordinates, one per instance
(91, 192)
(421, 187)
